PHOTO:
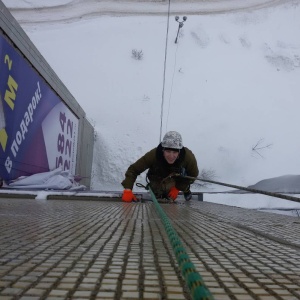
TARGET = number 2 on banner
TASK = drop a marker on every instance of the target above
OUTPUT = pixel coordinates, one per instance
(64, 142)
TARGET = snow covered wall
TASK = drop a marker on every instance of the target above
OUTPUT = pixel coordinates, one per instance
(232, 80)
(42, 125)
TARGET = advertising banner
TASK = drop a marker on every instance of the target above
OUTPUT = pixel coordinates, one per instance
(38, 132)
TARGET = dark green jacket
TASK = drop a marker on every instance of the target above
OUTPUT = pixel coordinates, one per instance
(160, 169)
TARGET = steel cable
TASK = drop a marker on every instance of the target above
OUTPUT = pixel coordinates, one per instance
(164, 76)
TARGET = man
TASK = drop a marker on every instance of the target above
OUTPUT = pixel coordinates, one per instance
(170, 157)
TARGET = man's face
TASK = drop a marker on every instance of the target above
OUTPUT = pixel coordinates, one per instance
(170, 155)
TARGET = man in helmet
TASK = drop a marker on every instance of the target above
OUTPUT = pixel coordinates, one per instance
(167, 158)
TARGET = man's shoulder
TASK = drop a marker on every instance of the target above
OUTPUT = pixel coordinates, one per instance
(188, 152)
(151, 153)
(152, 150)
(187, 149)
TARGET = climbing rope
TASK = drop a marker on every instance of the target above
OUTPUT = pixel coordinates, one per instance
(164, 77)
(172, 83)
(193, 279)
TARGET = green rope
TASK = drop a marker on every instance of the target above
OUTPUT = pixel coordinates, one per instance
(193, 279)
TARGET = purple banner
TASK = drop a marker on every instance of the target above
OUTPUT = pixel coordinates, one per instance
(38, 132)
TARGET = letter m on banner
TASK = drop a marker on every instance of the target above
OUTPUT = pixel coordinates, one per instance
(10, 94)
(3, 133)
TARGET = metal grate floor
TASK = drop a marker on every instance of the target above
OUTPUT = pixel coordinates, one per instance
(76, 249)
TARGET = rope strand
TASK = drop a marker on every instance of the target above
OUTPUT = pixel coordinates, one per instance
(164, 76)
(171, 92)
(193, 279)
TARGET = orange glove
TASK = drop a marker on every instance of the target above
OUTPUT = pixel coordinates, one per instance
(173, 193)
(128, 195)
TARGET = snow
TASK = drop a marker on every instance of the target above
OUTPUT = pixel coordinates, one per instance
(231, 86)
(35, 3)
(257, 201)
(281, 184)
(51, 11)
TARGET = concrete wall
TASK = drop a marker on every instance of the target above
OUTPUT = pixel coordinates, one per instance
(11, 28)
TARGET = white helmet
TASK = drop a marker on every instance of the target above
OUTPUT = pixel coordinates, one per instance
(173, 140)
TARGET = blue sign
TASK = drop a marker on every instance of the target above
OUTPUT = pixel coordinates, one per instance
(38, 132)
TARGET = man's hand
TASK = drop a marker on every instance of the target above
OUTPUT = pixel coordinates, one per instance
(173, 193)
(128, 196)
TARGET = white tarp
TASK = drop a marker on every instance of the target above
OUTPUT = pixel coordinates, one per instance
(52, 180)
